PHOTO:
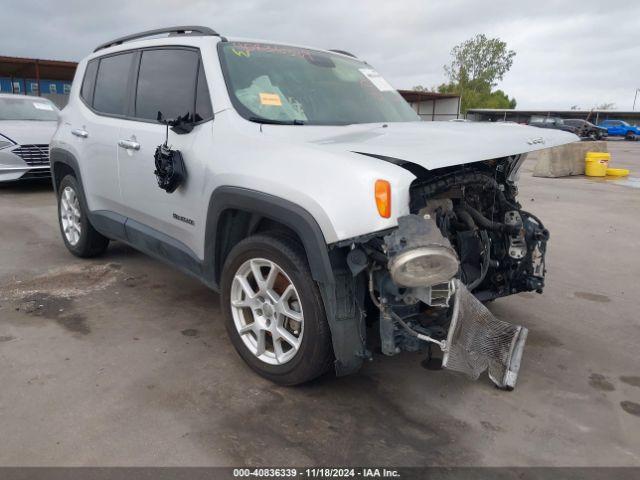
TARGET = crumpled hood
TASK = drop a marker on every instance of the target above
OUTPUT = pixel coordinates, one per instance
(431, 144)
(25, 132)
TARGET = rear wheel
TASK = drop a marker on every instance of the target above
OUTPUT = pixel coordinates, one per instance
(273, 310)
(630, 136)
(78, 234)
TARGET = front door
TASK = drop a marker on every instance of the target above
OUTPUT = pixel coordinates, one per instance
(170, 81)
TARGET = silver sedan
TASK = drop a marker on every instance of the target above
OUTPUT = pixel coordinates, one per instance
(26, 127)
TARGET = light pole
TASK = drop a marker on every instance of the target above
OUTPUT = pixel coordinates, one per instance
(635, 97)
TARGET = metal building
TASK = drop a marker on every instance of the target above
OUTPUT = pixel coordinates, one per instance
(31, 76)
(523, 116)
(433, 106)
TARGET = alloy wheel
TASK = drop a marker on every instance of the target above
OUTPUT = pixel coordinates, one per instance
(267, 311)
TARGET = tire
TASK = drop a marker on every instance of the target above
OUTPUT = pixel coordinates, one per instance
(629, 136)
(305, 353)
(86, 242)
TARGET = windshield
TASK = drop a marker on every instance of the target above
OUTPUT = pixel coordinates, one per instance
(18, 108)
(282, 84)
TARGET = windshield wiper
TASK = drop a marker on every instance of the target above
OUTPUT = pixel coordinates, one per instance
(275, 122)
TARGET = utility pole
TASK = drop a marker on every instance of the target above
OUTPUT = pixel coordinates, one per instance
(635, 98)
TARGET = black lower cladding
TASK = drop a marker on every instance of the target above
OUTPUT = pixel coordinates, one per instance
(147, 240)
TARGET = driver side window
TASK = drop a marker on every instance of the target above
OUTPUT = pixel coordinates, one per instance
(172, 81)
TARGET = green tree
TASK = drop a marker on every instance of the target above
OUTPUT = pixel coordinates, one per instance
(475, 69)
(420, 88)
(479, 59)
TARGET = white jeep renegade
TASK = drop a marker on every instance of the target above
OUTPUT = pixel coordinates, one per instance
(299, 184)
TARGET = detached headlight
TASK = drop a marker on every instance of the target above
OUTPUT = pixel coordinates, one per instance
(419, 256)
(423, 267)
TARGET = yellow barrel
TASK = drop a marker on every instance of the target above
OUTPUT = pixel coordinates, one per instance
(596, 164)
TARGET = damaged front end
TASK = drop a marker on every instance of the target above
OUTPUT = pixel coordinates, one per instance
(466, 241)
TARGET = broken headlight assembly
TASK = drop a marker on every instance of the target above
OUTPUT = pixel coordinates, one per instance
(419, 256)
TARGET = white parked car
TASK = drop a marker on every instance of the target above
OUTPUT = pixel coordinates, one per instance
(299, 184)
(26, 127)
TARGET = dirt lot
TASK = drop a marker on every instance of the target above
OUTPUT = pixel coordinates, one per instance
(124, 361)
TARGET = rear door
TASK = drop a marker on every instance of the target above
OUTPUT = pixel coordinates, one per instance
(105, 95)
(170, 80)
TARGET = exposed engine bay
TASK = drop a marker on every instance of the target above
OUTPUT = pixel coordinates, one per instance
(466, 241)
(501, 247)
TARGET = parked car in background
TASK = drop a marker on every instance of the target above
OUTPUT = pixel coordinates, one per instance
(552, 122)
(619, 128)
(26, 127)
(587, 130)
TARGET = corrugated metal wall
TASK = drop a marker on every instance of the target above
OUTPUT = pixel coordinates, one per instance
(56, 90)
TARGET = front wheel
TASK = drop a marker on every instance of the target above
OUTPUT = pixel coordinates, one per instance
(274, 314)
(630, 136)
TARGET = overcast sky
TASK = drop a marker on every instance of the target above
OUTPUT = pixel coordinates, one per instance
(569, 52)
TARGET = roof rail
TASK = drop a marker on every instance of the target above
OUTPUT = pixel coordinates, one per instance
(343, 52)
(184, 30)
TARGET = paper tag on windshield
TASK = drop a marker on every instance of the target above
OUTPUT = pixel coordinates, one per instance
(270, 99)
(43, 106)
(375, 78)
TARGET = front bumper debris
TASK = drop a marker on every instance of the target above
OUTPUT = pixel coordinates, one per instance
(478, 341)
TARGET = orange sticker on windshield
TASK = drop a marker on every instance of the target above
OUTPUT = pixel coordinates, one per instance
(270, 99)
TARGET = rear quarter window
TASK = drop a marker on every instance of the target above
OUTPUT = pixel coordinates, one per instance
(89, 81)
(204, 110)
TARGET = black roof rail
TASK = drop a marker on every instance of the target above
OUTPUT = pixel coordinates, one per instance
(343, 52)
(184, 30)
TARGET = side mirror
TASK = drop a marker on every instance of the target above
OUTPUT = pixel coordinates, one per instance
(179, 125)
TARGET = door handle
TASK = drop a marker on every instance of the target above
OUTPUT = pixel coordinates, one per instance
(78, 132)
(129, 144)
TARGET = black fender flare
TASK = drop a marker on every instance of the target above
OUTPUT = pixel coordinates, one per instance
(346, 320)
(59, 155)
(274, 208)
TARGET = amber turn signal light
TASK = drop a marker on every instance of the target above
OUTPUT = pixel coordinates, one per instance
(383, 198)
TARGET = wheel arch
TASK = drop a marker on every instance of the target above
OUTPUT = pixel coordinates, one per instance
(63, 163)
(235, 213)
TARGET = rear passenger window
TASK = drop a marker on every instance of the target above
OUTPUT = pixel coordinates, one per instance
(166, 83)
(111, 84)
(89, 81)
